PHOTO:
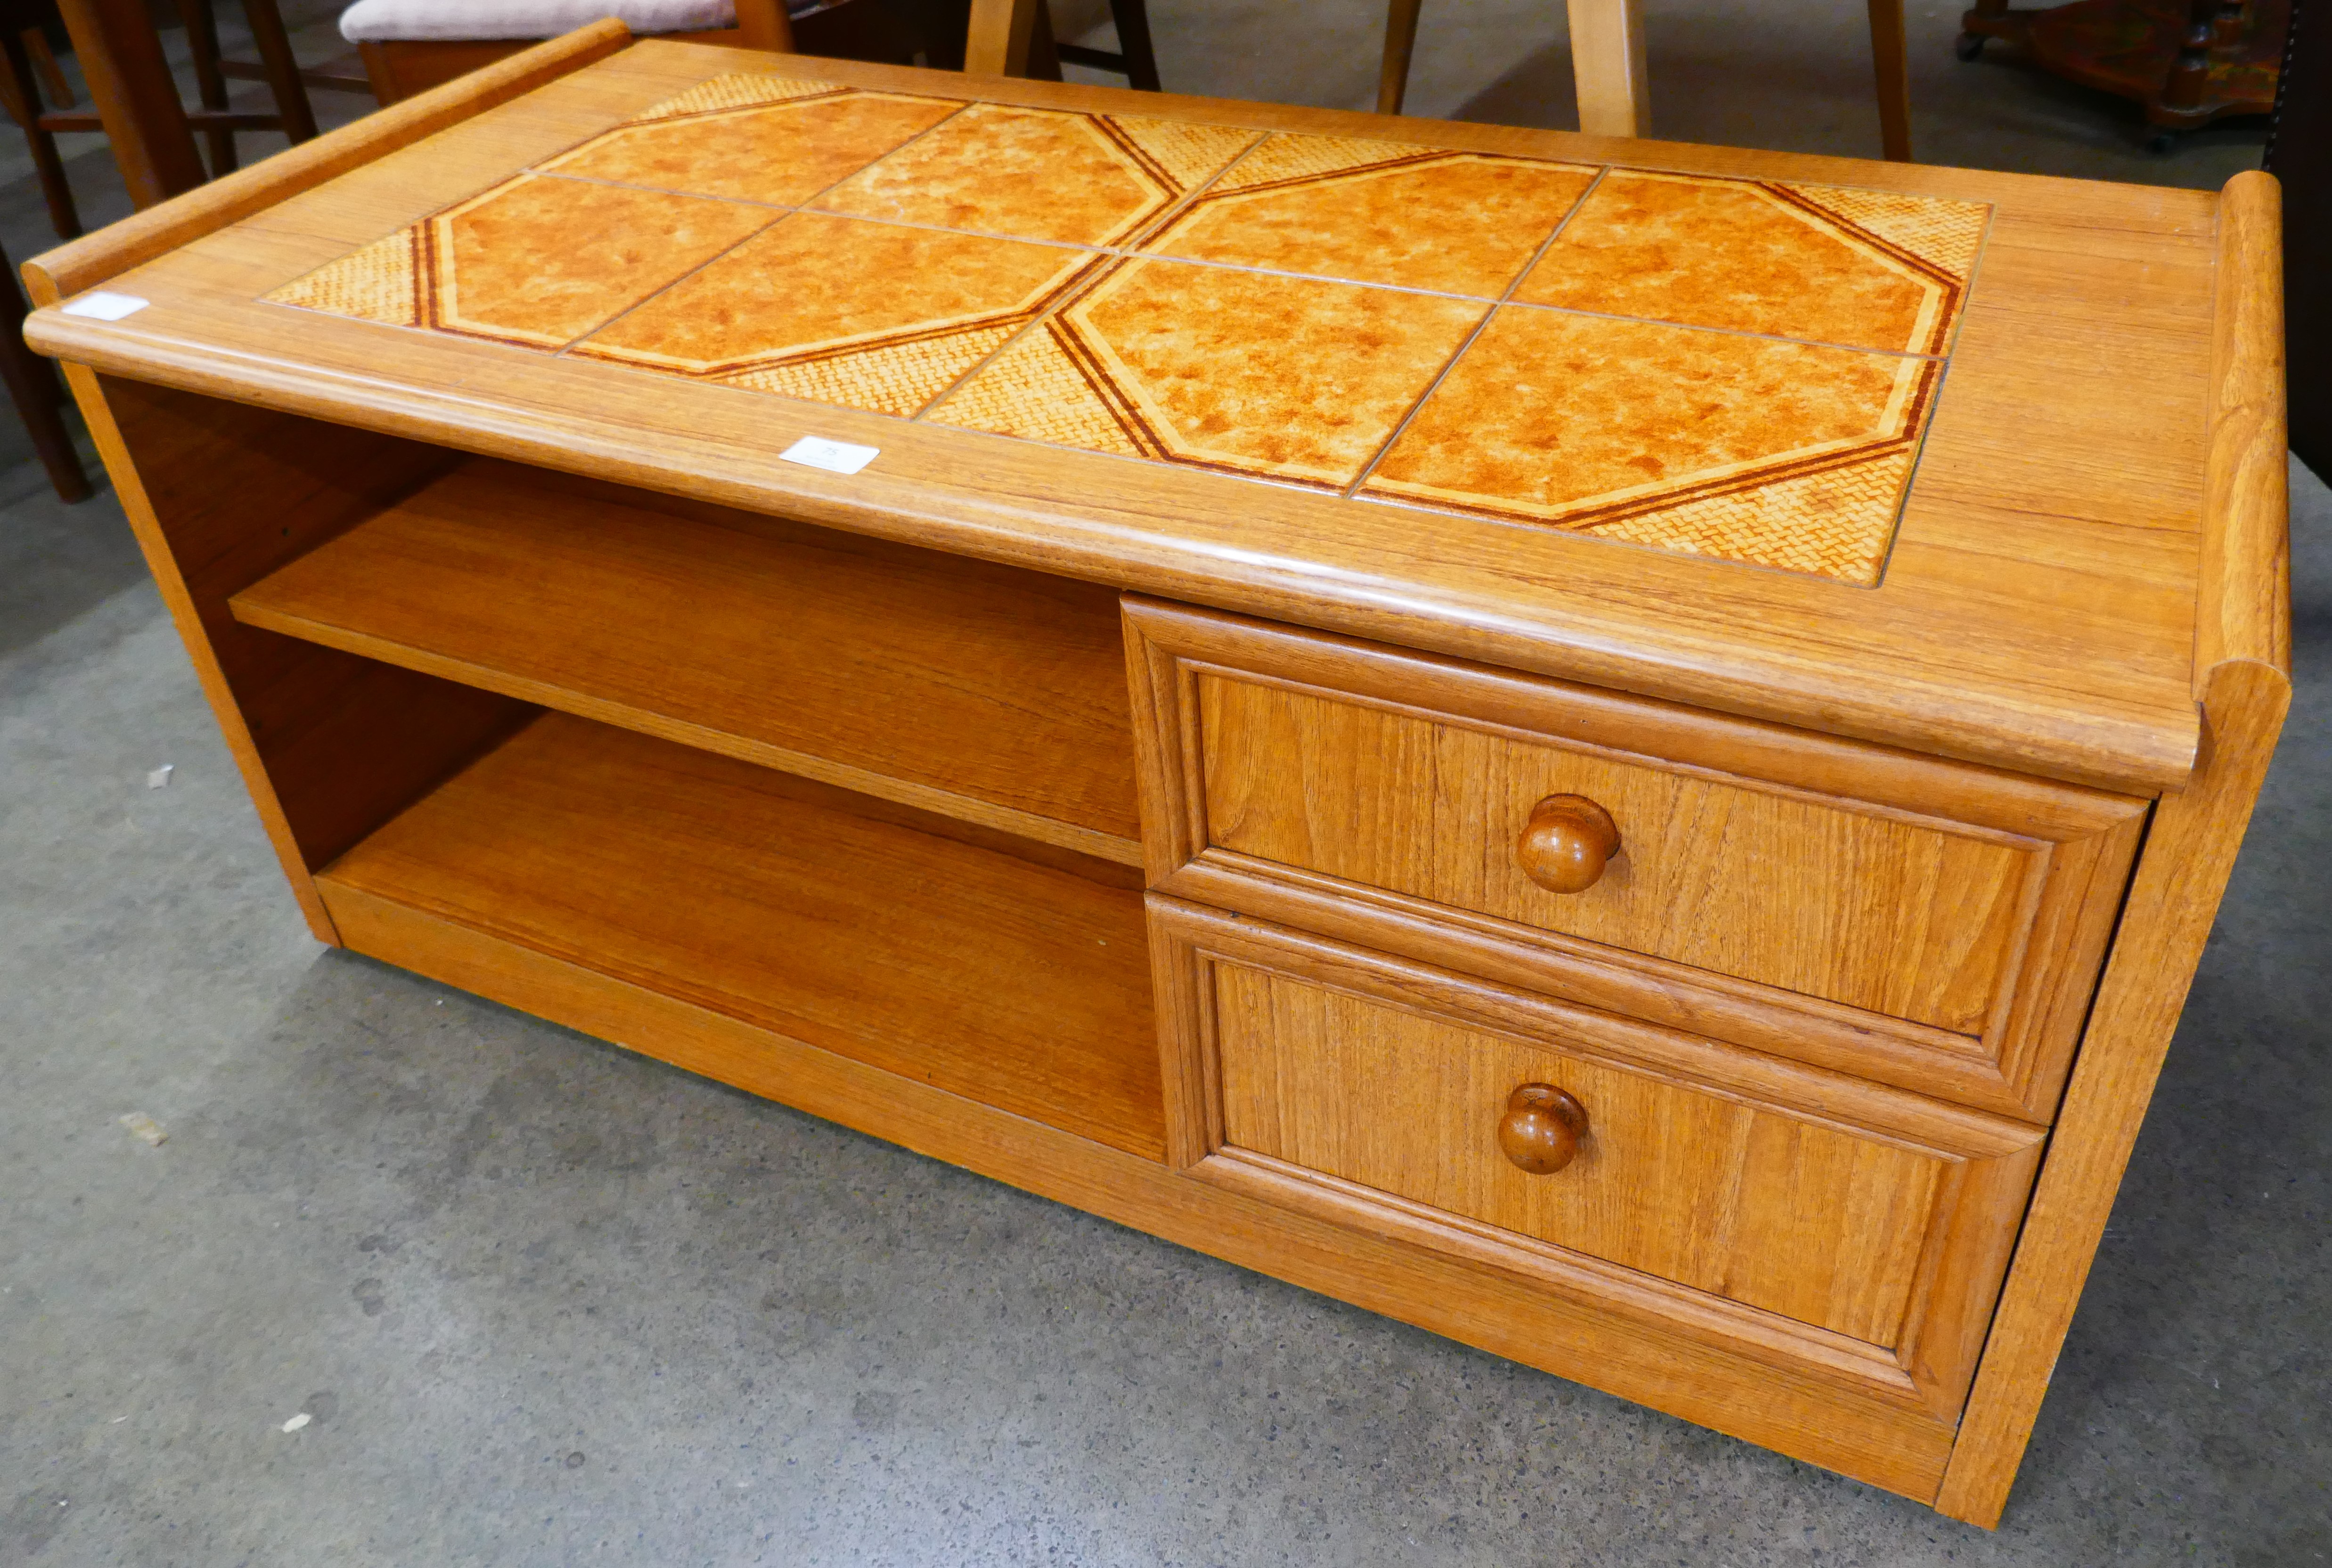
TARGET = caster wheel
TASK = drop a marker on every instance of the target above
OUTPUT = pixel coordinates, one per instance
(1968, 46)
(2161, 142)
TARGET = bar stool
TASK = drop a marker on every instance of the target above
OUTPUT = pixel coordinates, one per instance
(1607, 52)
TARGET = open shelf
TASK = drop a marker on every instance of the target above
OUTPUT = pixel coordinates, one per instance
(980, 692)
(1020, 980)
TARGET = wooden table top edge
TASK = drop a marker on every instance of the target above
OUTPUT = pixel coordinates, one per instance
(2144, 751)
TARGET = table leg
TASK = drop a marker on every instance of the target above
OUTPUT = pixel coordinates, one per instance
(31, 383)
(1400, 42)
(282, 70)
(136, 101)
(22, 94)
(202, 42)
(1607, 65)
(1890, 57)
(997, 42)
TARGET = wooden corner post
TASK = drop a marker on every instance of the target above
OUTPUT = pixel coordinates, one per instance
(2242, 684)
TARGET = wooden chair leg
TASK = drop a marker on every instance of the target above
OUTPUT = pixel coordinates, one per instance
(201, 23)
(1132, 19)
(32, 385)
(282, 71)
(997, 42)
(1890, 57)
(1044, 50)
(17, 86)
(1400, 41)
(136, 101)
(46, 67)
(1607, 66)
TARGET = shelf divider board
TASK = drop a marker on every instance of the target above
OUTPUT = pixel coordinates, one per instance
(751, 894)
(976, 691)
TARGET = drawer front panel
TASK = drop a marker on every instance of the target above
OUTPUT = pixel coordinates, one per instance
(1807, 1218)
(1927, 924)
(1813, 1223)
(1855, 907)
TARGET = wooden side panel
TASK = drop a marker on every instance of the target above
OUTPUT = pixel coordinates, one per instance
(787, 645)
(2242, 681)
(1879, 1441)
(1866, 910)
(743, 890)
(1704, 1190)
(220, 494)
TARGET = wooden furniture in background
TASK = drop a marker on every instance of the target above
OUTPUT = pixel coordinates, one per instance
(1614, 82)
(2299, 154)
(398, 68)
(2186, 63)
(1014, 38)
(1180, 846)
(39, 396)
(137, 102)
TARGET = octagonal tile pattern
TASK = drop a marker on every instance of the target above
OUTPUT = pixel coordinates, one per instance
(1732, 369)
(1454, 223)
(1868, 269)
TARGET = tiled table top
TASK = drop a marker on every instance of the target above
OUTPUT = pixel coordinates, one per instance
(1735, 369)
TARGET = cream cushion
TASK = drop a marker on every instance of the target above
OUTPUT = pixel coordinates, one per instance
(384, 20)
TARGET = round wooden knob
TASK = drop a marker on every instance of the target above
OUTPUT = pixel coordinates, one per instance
(1564, 846)
(1542, 1128)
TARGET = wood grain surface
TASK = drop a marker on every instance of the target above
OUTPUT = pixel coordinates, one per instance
(1974, 904)
(329, 746)
(967, 688)
(1018, 984)
(2036, 613)
(1883, 1441)
(2242, 656)
(1864, 1213)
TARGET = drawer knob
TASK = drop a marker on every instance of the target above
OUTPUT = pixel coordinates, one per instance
(1567, 843)
(1542, 1128)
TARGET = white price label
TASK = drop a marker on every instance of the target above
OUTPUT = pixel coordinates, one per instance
(835, 457)
(107, 307)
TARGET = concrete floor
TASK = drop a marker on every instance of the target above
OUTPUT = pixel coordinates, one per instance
(547, 1303)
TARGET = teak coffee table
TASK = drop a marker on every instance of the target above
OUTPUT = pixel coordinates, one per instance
(1624, 751)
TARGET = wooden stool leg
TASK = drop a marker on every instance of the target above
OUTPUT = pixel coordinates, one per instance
(997, 42)
(136, 101)
(1132, 19)
(33, 384)
(17, 87)
(1400, 41)
(1607, 66)
(1890, 57)
(201, 42)
(282, 71)
(1044, 55)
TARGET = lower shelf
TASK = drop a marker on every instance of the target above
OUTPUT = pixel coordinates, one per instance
(1814, 1418)
(793, 906)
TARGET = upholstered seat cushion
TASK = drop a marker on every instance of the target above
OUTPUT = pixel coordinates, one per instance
(385, 21)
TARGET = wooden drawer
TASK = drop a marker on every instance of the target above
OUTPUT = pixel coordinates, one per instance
(1774, 1210)
(1928, 923)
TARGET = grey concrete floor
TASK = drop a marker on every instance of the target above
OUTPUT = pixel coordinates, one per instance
(545, 1302)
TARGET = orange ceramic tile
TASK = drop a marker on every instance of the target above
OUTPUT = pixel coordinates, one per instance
(841, 310)
(538, 260)
(729, 138)
(1871, 269)
(1084, 179)
(1462, 223)
(1249, 373)
(1783, 453)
